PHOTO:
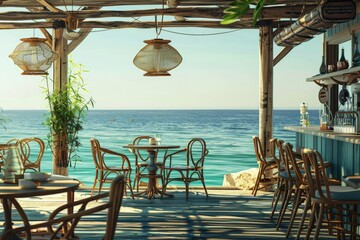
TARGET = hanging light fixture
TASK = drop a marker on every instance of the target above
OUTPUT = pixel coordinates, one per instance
(33, 56)
(157, 57)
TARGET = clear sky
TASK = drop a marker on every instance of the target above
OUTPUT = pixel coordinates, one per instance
(217, 72)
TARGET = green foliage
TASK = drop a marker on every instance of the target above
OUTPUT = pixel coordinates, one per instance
(239, 8)
(67, 113)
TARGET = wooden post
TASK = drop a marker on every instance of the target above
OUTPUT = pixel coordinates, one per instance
(60, 80)
(266, 86)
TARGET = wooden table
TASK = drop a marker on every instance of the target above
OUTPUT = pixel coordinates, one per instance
(152, 168)
(54, 185)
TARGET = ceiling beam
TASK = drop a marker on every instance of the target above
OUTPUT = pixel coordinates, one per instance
(121, 24)
(282, 54)
(196, 12)
(103, 3)
(49, 6)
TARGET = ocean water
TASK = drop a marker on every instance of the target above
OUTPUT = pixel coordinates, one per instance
(227, 133)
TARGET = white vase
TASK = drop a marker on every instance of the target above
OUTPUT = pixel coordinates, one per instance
(13, 167)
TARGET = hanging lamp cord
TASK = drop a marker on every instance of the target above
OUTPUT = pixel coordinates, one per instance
(158, 27)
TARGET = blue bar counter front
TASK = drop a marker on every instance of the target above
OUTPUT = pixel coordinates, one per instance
(342, 150)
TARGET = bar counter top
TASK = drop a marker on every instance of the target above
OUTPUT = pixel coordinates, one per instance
(315, 130)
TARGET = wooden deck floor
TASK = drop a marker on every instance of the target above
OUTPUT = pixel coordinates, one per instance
(226, 214)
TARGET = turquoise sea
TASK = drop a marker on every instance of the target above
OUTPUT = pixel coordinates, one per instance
(227, 133)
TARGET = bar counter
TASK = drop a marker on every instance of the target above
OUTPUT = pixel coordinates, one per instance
(342, 150)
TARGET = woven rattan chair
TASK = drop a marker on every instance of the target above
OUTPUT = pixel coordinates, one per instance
(109, 164)
(186, 165)
(31, 152)
(59, 219)
(265, 164)
(335, 205)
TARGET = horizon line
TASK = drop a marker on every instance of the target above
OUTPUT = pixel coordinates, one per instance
(161, 109)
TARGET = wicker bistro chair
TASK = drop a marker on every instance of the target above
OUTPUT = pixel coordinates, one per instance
(141, 161)
(265, 164)
(190, 170)
(59, 220)
(104, 172)
(336, 205)
(31, 152)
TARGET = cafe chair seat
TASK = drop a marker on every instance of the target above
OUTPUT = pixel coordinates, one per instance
(292, 174)
(341, 193)
(191, 169)
(61, 223)
(109, 164)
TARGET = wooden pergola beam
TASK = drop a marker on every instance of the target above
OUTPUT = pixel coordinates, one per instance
(49, 6)
(120, 24)
(196, 12)
(282, 54)
(103, 3)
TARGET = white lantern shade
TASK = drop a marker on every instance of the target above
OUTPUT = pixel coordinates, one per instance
(157, 58)
(33, 56)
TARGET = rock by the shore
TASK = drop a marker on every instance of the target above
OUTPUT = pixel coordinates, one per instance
(244, 180)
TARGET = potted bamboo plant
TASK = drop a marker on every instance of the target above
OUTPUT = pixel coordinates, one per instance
(67, 113)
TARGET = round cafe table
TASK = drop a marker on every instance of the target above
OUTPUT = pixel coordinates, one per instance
(10, 192)
(152, 168)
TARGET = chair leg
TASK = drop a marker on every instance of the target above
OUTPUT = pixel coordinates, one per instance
(353, 220)
(165, 181)
(279, 193)
(96, 179)
(128, 180)
(186, 190)
(258, 178)
(203, 183)
(284, 205)
(319, 221)
(306, 208)
(100, 185)
(135, 184)
(296, 205)
(311, 221)
(276, 192)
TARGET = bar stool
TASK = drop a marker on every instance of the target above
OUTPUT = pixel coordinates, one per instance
(337, 205)
(265, 164)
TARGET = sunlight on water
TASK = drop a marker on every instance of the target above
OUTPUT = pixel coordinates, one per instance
(227, 133)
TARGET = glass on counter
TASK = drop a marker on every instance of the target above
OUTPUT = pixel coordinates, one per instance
(345, 122)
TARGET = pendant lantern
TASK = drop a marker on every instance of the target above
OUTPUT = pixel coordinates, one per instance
(33, 56)
(157, 58)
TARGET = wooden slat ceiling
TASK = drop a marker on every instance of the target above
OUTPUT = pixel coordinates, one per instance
(19, 14)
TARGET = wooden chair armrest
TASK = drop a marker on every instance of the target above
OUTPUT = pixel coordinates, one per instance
(82, 202)
(123, 156)
(170, 155)
(108, 151)
(176, 152)
(74, 217)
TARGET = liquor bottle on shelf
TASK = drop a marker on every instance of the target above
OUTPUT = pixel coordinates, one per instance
(323, 69)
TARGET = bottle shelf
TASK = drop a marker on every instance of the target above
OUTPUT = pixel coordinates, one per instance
(346, 76)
